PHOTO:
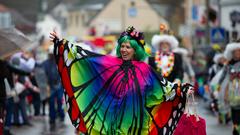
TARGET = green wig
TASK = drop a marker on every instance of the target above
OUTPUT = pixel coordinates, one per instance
(140, 53)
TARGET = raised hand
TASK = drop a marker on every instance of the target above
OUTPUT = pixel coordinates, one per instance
(54, 36)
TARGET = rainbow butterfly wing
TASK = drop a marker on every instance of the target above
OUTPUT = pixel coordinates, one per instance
(73, 109)
(77, 76)
(165, 115)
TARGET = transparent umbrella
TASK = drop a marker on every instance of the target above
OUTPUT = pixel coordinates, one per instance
(11, 41)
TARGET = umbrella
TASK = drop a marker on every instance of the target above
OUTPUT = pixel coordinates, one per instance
(11, 41)
(18, 61)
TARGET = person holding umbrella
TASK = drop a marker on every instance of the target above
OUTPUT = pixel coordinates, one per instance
(12, 41)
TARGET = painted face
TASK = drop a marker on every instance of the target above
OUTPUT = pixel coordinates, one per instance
(236, 54)
(127, 52)
(164, 46)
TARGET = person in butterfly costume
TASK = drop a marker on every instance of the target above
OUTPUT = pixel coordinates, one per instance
(118, 95)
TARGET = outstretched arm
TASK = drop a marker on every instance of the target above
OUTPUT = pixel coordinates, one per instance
(74, 50)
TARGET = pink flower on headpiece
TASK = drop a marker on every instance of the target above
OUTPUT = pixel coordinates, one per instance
(137, 34)
(132, 33)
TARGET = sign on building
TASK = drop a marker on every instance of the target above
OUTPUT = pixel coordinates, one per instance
(132, 12)
(217, 35)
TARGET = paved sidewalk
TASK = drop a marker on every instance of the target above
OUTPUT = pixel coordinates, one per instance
(42, 127)
(213, 128)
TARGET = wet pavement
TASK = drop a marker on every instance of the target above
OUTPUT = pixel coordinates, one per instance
(212, 125)
(41, 125)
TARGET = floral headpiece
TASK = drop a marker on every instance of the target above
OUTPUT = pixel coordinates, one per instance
(165, 31)
(133, 33)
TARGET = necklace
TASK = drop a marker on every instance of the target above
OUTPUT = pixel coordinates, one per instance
(164, 63)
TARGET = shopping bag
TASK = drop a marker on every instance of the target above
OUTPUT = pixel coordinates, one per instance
(1, 119)
(190, 123)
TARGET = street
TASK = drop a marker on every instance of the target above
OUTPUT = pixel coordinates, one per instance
(41, 126)
(110, 54)
(213, 128)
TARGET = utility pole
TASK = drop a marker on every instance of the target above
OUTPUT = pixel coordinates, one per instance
(219, 13)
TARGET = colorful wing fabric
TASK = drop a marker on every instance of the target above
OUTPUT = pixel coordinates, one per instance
(106, 95)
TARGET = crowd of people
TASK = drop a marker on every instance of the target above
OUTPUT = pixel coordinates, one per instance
(29, 85)
(98, 87)
(223, 82)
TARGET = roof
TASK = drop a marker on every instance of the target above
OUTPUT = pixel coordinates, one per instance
(21, 23)
(28, 9)
(19, 20)
(91, 5)
(92, 2)
(166, 2)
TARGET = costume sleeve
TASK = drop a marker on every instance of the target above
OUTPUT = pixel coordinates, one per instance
(74, 50)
